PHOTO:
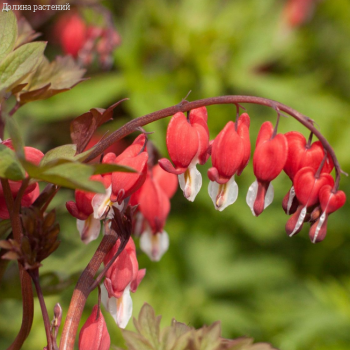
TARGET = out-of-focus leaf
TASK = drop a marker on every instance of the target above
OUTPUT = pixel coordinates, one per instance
(148, 325)
(83, 127)
(8, 32)
(15, 136)
(50, 79)
(67, 174)
(19, 64)
(5, 226)
(26, 33)
(10, 167)
(136, 341)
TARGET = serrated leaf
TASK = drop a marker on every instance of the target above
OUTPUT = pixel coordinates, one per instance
(17, 65)
(8, 32)
(136, 341)
(185, 341)
(15, 136)
(26, 33)
(50, 79)
(180, 328)
(10, 167)
(210, 336)
(167, 338)
(83, 127)
(148, 325)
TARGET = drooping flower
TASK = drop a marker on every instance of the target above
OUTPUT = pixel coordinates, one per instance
(31, 193)
(297, 12)
(154, 206)
(330, 202)
(94, 333)
(123, 184)
(230, 154)
(302, 154)
(83, 209)
(122, 277)
(307, 184)
(268, 161)
(187, 142)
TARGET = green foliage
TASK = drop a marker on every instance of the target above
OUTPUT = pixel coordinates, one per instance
(17, 65)
(179, 336)
(10, 167)
(8, 32)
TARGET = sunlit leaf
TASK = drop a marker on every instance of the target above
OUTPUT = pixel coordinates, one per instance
(8, 32)
(19, 64)
(26, 33)
(50, 79)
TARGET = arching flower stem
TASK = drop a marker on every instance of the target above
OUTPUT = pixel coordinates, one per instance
(185, 106)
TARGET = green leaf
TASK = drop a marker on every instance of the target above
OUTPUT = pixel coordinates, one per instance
(136, 341)
(8, 32)
(26, 33)
(66, 174)
(148, 325)
(101, 168)
(50, 79)
(10, 167)
(19, 64)
(63, 152)
(15, 135)
(5, 227)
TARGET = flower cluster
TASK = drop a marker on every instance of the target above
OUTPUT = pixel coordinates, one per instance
(31, 193)
(312, 197)
(83, 41)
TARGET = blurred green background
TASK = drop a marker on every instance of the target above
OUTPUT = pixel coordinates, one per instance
(226, 266)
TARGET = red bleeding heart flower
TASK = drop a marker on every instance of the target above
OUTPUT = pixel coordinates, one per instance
(122, 277)
(297, 12)
(330, 202)
(301, 154)
(187, 142)
(268, 161)
(230, 154)
(94, 333)
(307, 185)
(123, 184)
(31, 193)
(154, 206)
(71, 31)
(83, 209)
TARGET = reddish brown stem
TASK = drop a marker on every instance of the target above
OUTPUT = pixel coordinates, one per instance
(35, 277)
(185, 106)
(82, 291)
(26, 282)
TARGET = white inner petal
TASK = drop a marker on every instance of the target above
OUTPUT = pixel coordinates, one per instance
(190, 182)
(154, 245)
(223, 195)
(290, 199)
(319, 225)
(300, 221)
(89, 229)
(101, 202)
(251, 195)
(269, 196)
(121, 308)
